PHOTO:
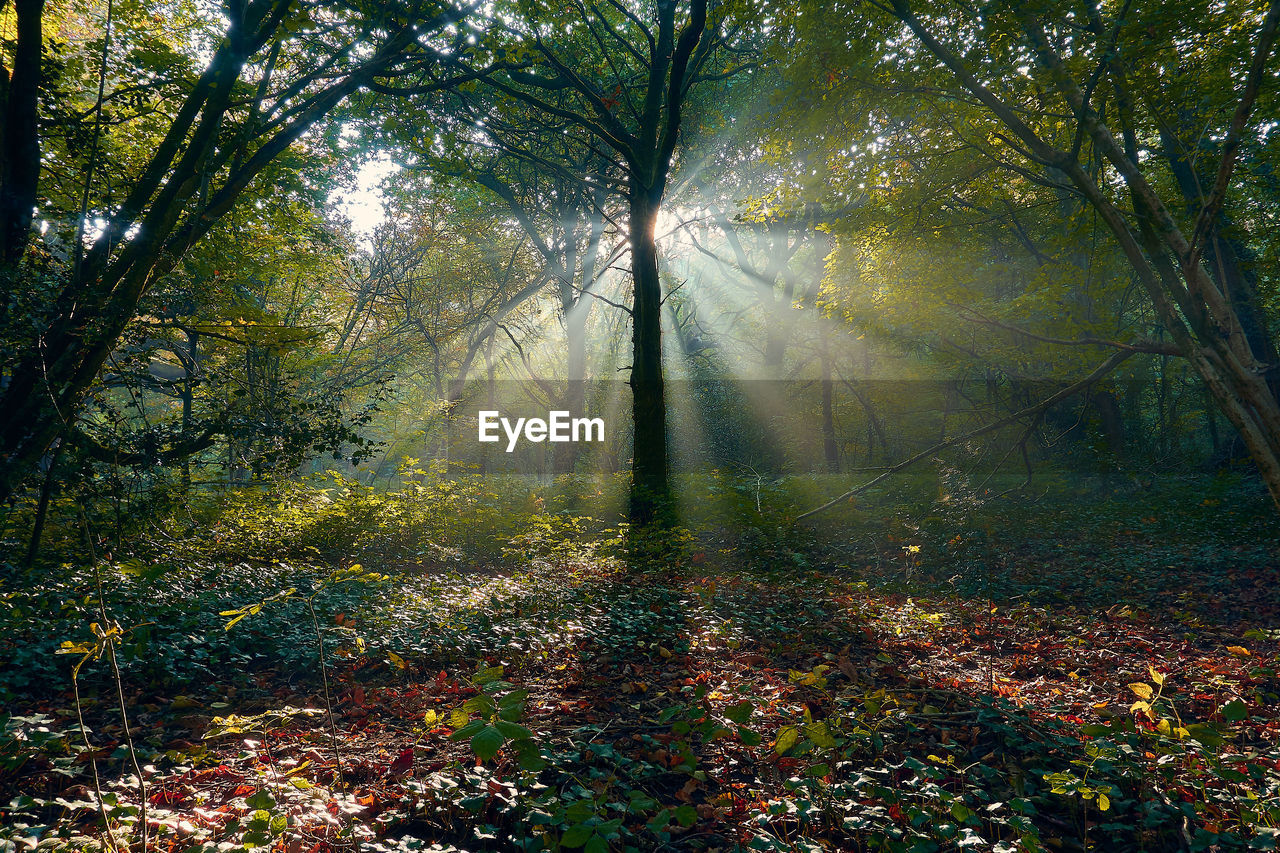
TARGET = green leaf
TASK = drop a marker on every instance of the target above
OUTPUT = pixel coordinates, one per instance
(487, 674)
(512, 730)
(686, 815)
(820, 735)
(469, 730)
(739, 713)
(514, 699)
(261, 799)
(528, 755)
(1235, 711)
(576, 836)
(596, 844)
(486, 743)
(1205, 733)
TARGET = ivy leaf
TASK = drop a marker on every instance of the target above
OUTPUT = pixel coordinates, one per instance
(820, 735)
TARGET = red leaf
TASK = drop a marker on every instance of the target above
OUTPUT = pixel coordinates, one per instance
(403, 762)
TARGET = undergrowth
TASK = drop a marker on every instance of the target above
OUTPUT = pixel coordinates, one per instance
(1091, 667)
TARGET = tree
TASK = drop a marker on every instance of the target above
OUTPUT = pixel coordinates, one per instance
(274, 70)
(1136, 113)
(616, 83)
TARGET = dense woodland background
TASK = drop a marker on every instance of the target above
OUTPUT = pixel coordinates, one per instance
(936, 345)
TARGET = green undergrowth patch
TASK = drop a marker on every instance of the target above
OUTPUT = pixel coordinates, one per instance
(470, 665)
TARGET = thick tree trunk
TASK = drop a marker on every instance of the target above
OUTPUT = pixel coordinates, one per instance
(19, 133)
(1229, 261)
(650, 487)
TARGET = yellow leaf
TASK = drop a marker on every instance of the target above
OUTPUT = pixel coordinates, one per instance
(1239, 651)
(1157, 677)
(787, 737)
(1104, 802)
(397, 661)
(1142, 689)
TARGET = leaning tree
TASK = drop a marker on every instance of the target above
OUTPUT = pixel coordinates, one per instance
(164, 150)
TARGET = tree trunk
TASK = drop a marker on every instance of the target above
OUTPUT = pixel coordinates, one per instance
(830, 449)
(19, 135)
(42, 509)
(566, 457)
(1108, 409)
(650, 487)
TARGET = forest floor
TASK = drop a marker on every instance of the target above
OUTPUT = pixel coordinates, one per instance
(1098, 674)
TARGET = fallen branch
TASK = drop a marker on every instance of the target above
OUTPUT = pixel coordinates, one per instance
(1071, 390)
(1142, 345)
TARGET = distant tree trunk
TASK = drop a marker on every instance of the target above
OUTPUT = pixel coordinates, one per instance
(782, 319)
(577, 310)
(650, 486)
(830, 449)
(1108, 409)
(190, 364)
(566, 453)
(42, 509)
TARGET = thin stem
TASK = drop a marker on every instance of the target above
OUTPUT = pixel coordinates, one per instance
(328, 700)
(93, 761)
(115, 673)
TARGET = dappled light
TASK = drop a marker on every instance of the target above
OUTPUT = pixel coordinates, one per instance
(639, 426)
